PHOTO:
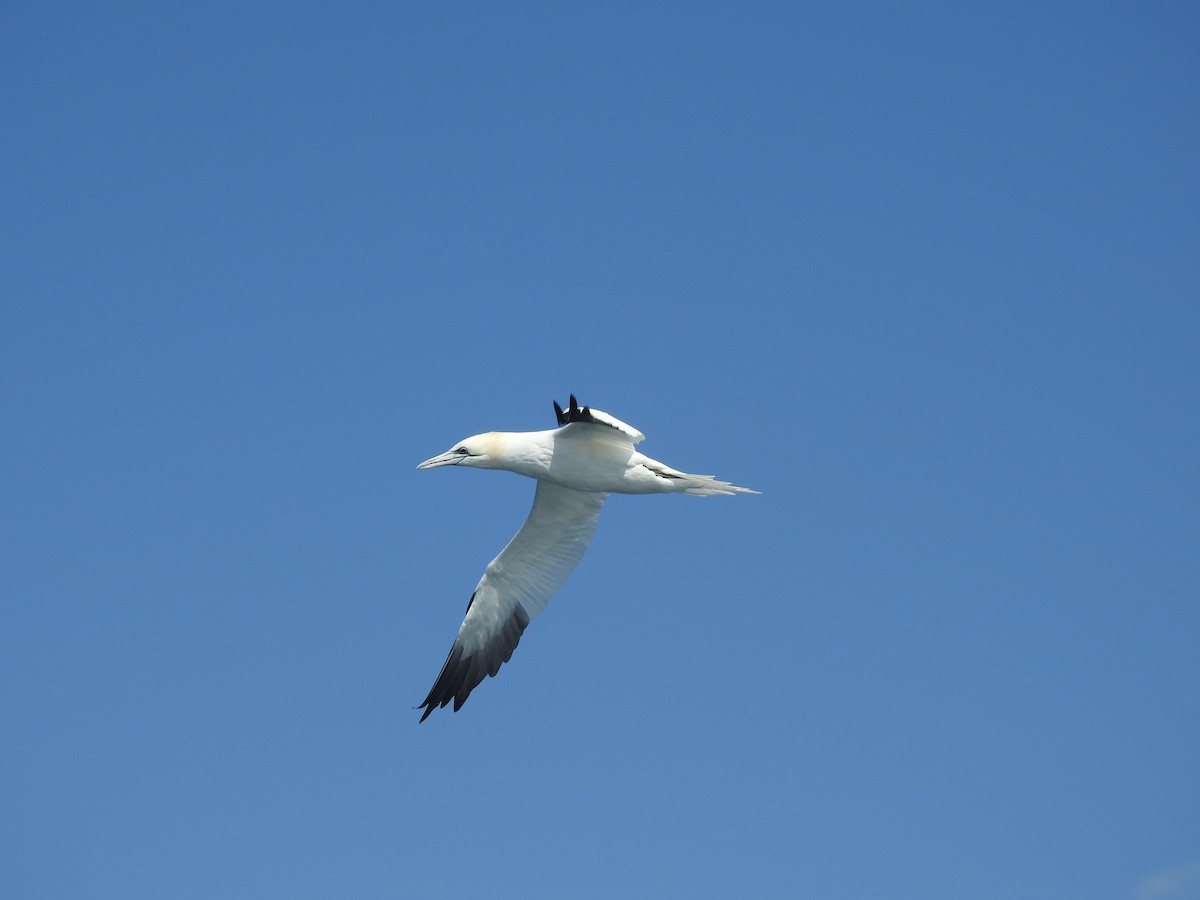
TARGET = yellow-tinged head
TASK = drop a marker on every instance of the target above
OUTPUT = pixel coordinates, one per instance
(484, 451)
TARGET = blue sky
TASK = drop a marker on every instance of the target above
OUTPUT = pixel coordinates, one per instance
(927, 278)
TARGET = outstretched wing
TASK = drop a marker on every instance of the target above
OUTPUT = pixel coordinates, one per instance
(515, 587)
(594, 417)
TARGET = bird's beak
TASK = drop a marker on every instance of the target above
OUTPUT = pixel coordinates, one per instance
(446, 459)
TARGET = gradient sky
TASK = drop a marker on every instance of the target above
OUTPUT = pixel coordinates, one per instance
(928, 278)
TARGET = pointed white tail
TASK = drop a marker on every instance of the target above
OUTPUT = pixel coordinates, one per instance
(708, 485)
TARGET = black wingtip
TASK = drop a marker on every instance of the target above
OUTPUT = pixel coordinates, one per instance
(574, 412)
(460, 675)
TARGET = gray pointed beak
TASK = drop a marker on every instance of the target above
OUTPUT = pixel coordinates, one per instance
(445, 459)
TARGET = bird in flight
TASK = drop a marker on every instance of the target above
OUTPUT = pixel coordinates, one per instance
(576, 465)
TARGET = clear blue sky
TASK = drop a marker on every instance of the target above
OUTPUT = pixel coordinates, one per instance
(927, 278)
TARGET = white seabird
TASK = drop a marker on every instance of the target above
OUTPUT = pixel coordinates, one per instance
(576, 465)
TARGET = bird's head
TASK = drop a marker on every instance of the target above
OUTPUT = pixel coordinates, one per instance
(479, 450)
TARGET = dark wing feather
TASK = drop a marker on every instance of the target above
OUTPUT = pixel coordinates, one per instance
(588, 416)
(460, 676)
(575, 414)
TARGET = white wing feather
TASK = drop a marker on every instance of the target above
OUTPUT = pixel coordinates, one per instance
(601, 416)
(515, 587)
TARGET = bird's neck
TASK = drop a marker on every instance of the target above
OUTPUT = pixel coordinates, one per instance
(524, 452)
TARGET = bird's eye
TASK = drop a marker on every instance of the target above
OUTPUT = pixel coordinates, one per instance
(462, 450)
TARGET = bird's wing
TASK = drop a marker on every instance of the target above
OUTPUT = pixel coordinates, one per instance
(594, 417)
(515, 587)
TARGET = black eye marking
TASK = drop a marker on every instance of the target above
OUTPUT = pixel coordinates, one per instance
(463, 450)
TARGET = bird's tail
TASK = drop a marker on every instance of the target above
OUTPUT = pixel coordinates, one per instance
(707, 486)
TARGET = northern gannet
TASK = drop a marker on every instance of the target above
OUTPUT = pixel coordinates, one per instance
(577, 465)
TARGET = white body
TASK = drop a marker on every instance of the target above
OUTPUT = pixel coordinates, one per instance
(584, 457)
